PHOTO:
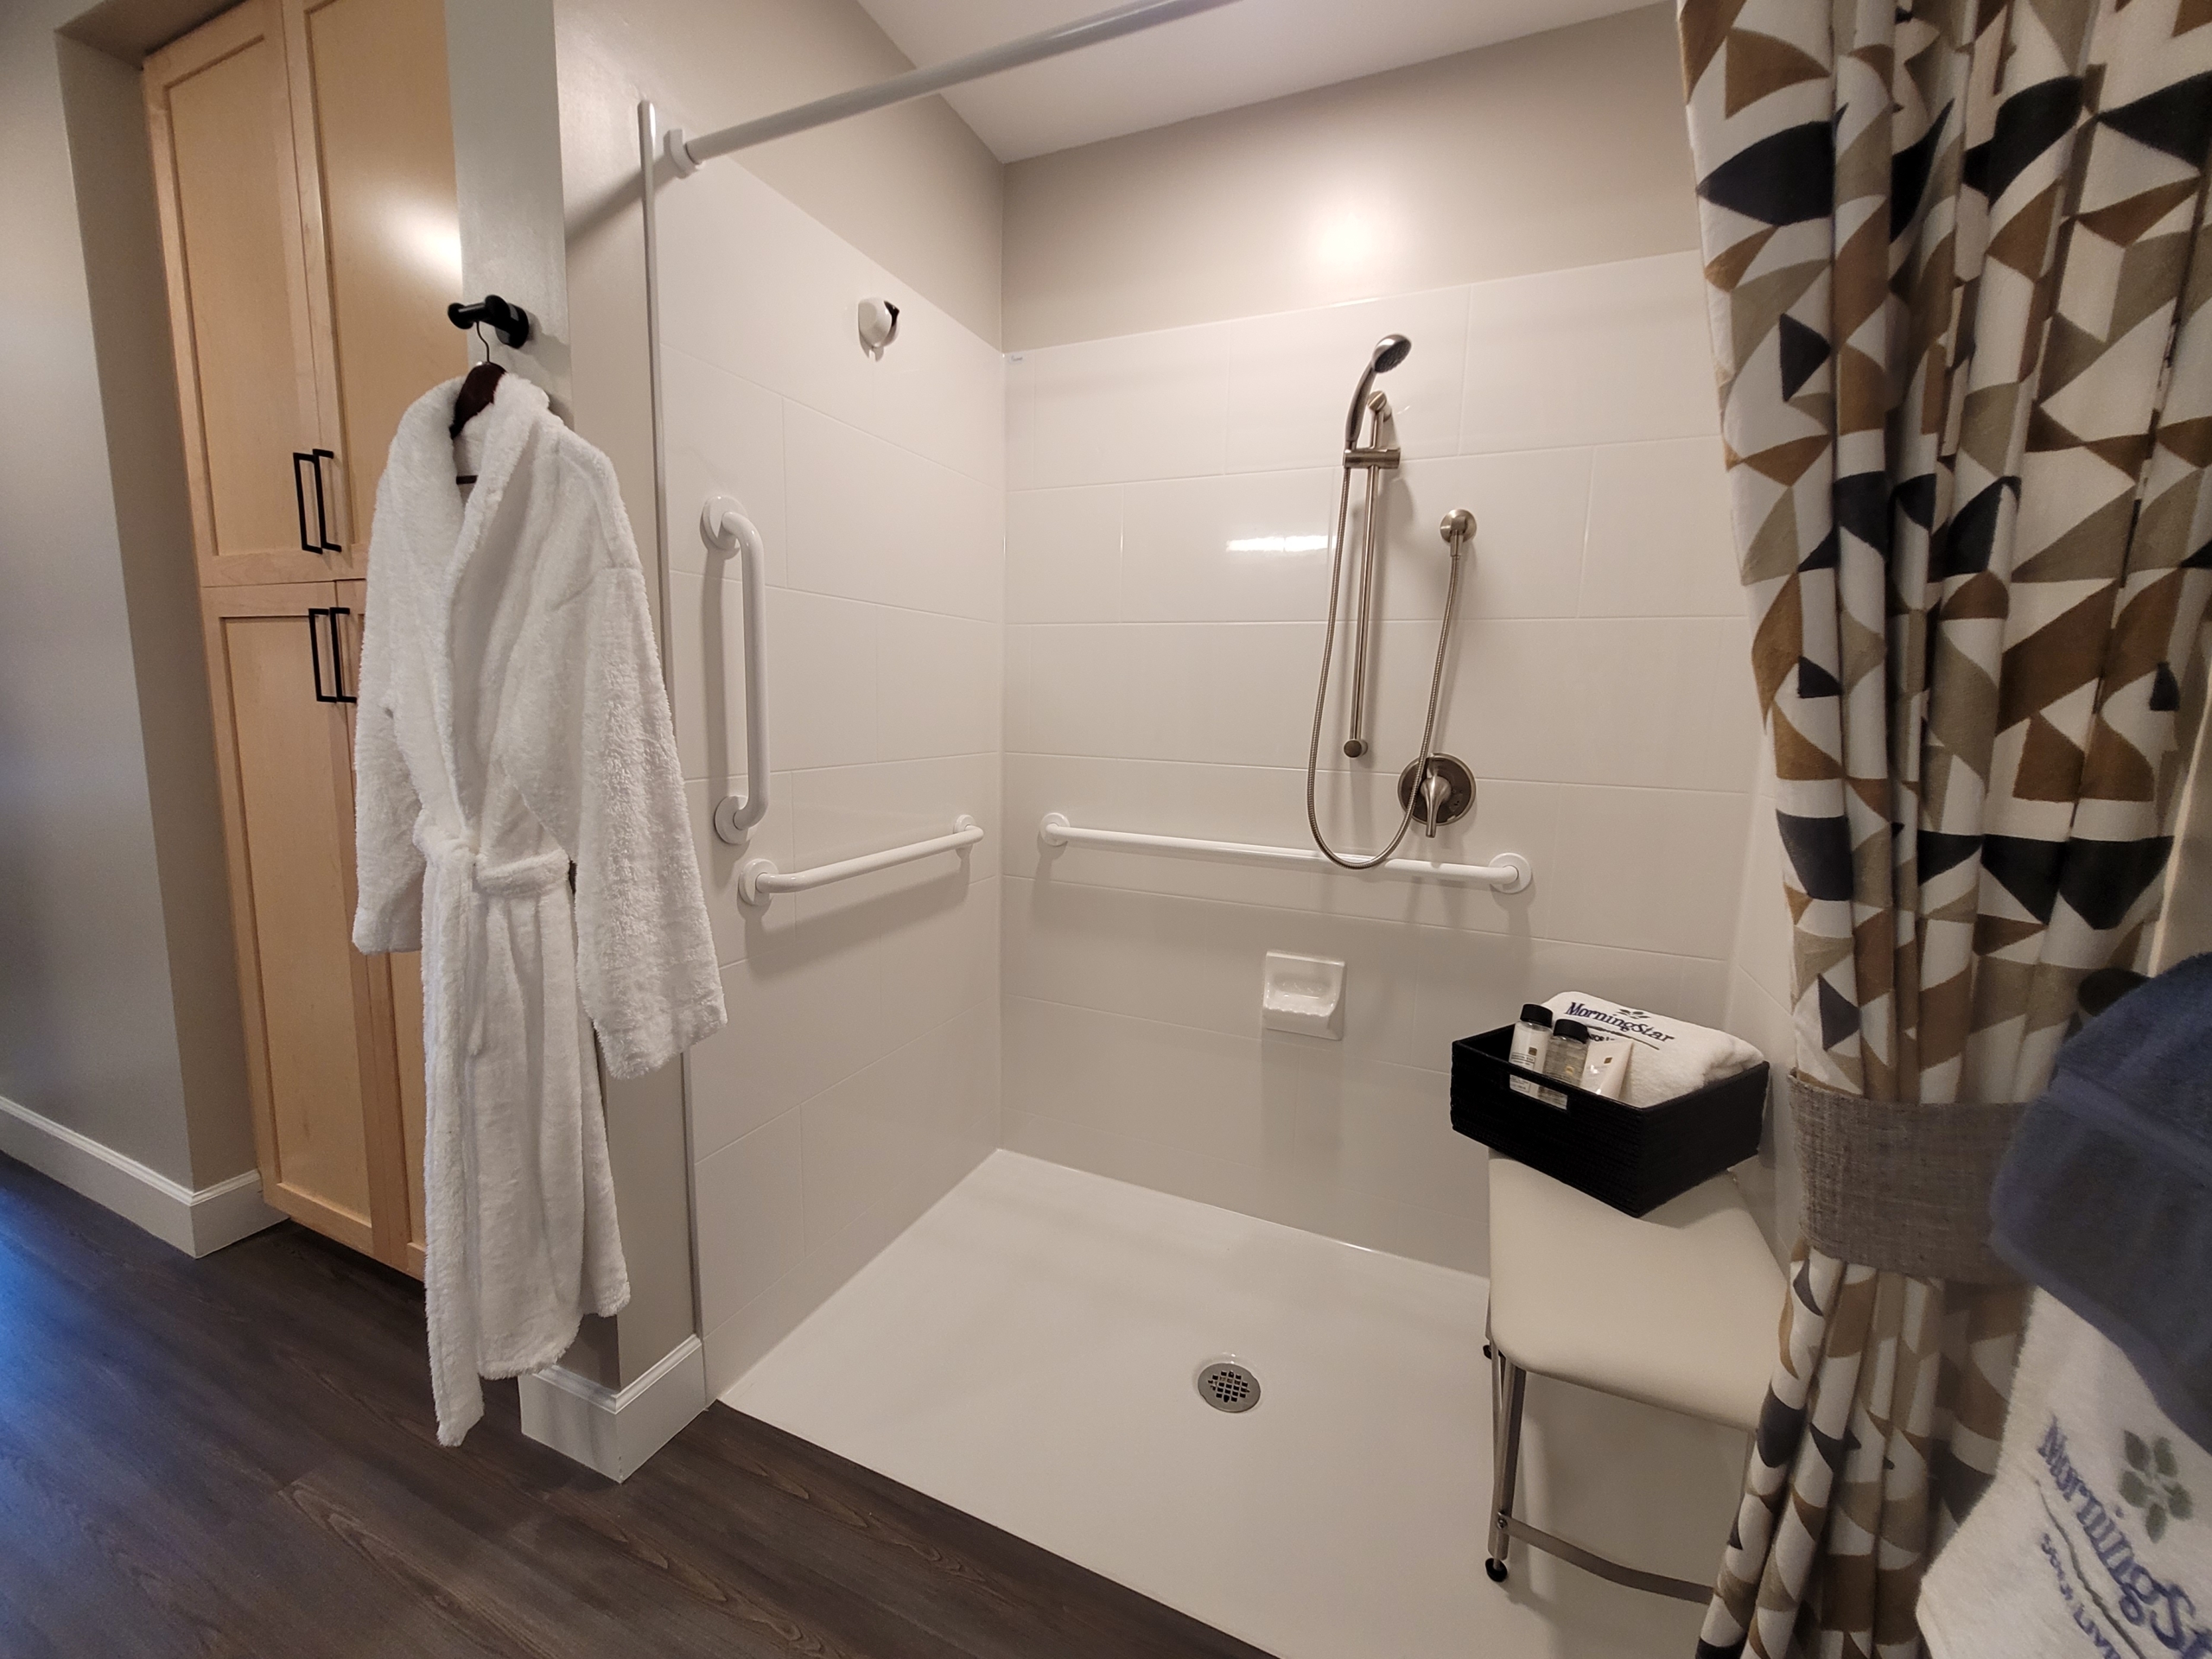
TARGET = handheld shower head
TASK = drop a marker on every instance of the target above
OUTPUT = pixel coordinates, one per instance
(1389, 351)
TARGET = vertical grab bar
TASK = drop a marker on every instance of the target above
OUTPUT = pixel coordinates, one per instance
(725, 529)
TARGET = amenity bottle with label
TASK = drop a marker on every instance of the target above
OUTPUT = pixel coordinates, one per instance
(1567, 1053)
(1532, 1035)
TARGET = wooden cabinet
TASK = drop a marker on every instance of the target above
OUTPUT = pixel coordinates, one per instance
(372, 131)
(303, 163)
(219, 108)
(303, 157)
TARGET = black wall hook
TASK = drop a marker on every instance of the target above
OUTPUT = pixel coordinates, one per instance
(509, 321)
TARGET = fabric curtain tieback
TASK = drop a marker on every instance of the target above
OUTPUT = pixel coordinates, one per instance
(1902, 1186)
(514, 879)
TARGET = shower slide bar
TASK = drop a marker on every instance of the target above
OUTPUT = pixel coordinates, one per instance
(1509, 874)
(759, 880)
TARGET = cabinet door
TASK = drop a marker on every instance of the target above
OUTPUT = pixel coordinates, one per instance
(373, 131)
(219, 112)
(309, 996)
(394, 1092)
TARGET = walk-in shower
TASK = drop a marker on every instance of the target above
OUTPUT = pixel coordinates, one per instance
(1438, 789)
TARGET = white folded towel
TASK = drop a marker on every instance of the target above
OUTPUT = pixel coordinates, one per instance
(2090, 1542)
(1673, 1058)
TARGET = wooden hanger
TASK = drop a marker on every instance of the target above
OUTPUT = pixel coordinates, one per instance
(476, 389)
(512, 323)
(475, 396)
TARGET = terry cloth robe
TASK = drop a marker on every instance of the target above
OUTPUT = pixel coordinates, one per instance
(512, 728)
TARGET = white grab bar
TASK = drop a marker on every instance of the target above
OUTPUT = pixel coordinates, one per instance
(725, 529)
(759, 879)
(1509, 874)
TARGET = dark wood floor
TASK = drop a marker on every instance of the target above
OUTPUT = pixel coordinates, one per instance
(235, 1456)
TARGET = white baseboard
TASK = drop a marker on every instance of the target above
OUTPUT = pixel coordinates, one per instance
(616, 1432)
(196, 1221)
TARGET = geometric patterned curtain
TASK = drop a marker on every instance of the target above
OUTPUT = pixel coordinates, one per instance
(1957, 264)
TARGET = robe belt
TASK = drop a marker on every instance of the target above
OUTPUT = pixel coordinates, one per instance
(1901, 1187)
(517, 878)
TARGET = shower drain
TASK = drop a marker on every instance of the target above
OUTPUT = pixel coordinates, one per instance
(1226, 1386)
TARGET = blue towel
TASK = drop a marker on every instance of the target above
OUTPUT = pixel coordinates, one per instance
(2105, 1196)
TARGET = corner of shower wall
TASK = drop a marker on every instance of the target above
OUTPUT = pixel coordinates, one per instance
(858, 1080)
(1760, 999)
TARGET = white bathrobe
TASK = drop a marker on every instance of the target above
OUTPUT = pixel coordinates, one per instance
(512, 726)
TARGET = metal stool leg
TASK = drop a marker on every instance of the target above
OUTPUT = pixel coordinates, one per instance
(1508, 1390)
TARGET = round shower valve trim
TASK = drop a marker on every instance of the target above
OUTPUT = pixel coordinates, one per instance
(1453, 784)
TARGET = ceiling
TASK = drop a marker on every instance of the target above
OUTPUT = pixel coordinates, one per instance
(1239, 55)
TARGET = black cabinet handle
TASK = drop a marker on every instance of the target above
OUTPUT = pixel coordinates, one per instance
(314, 652)
(310, 541)
(322, 509)
(317, 538)
(337, 692)
(338, 658)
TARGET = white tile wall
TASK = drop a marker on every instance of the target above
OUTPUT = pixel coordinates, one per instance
(858, 1078)
(1091, 579)
(1171, 496)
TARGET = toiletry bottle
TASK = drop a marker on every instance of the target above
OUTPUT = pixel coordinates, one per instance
(1604, 1069)
(1532, 1035)
(1568, 1051)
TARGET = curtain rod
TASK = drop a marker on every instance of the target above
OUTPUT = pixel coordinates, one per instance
(687, 154)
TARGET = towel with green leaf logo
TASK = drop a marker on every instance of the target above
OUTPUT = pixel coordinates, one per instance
(2089, 1543)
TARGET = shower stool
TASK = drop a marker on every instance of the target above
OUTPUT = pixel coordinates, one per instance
(1675, 1309)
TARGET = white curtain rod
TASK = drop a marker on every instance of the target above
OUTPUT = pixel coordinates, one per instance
(687, 154)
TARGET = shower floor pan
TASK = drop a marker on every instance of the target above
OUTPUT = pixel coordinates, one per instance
(1028, 1351)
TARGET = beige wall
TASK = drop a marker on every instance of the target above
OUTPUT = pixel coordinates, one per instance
(118, 1015)
(1561, 149)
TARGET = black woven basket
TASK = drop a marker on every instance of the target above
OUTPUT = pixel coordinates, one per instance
(1634, 1157)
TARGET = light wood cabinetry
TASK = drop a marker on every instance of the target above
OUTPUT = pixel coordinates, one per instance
(218, 107)
(372, 130)
(303, 158)
(288, 792)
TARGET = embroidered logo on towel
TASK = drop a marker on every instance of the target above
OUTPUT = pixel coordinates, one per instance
(1630, 1022)
(2110, 1592)
(2152, 1483)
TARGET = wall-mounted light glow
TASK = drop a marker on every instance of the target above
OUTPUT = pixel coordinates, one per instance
(1279, 545)
(430, 238)
(1345, 241)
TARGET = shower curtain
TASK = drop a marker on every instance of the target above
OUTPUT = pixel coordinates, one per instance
(1957, 267)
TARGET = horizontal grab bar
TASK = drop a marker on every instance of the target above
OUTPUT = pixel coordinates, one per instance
(1509, 874)
(759, 879)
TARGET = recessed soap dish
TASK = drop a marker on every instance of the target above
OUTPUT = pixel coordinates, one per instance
(1303, 993)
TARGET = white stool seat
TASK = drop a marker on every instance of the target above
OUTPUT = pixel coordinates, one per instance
(1677, 1309)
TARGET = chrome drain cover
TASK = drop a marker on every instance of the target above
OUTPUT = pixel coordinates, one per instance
(1226, 1386)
